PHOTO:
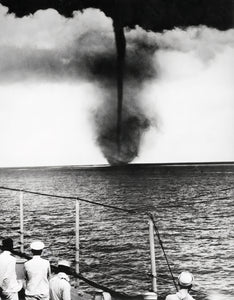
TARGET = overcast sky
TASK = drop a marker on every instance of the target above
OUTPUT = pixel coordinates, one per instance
(46, 111)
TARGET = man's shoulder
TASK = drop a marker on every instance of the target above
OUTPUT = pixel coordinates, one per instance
(54, 279)
(175, 297)
(64, 278)
(45, 260)
(35, 261)
(27, 263)
(7, 257)
(63, 282)
(172, 297)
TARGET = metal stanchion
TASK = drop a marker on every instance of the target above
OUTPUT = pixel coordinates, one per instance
(77, 238)
(21, 222)
(152, 256)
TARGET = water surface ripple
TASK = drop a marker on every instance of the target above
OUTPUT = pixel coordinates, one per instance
(193, 206)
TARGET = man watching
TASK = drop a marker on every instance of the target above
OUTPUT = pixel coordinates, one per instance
(185, 281)
(60, 288)
(37, 272)
(9, 286)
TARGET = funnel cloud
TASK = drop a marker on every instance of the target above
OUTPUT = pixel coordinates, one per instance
(119, 136)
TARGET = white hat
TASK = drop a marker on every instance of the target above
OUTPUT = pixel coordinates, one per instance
(185, 278)
(37, 245)
(64, 263)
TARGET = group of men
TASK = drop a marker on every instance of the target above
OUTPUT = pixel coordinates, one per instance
(38, 284)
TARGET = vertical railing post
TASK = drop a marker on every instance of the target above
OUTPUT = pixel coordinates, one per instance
(152, 256)
(77, 238)
(21, 222)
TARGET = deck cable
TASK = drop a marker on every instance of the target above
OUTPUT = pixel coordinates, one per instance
(163, 249)
(131, 211)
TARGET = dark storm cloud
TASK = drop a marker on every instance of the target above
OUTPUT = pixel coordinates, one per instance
(152, 15)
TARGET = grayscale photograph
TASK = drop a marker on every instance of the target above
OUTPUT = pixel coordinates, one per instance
(117, 149)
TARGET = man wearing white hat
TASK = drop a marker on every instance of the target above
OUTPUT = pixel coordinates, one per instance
(60, 288)
(185, 281)
(37, 272)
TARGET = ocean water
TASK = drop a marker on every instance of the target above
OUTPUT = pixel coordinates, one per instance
(193, 207)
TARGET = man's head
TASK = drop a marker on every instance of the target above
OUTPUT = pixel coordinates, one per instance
(37, 247)
(7, 244)
(64, 266)
(185, 280)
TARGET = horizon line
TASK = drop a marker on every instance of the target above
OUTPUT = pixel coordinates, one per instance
(124, 165)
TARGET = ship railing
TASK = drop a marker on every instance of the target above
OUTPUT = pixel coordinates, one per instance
(76, 274)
